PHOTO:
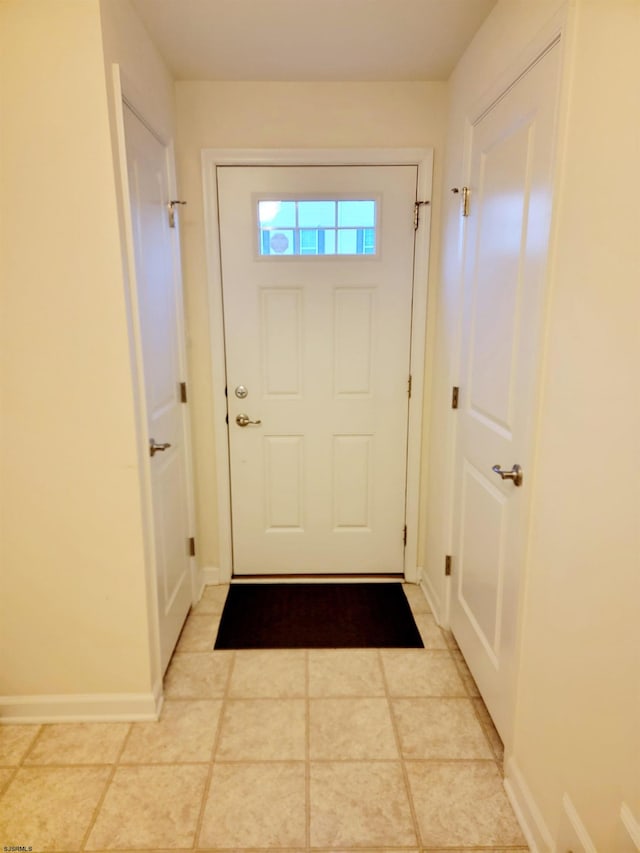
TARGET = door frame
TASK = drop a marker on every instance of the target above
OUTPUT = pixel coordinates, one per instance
(422, 158)
(126, 94)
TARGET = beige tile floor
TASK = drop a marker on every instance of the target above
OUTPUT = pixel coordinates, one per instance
(323, 750)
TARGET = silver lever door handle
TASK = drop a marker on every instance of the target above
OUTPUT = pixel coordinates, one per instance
(514, 474)
(154, 447)
(245, 420)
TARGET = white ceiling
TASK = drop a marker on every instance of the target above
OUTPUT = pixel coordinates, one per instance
(312, 40)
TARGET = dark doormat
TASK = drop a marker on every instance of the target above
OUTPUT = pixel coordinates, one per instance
(317, 616)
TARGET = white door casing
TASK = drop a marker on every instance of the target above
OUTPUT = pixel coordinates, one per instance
(511, 163)
(322, 345)
(158, 290)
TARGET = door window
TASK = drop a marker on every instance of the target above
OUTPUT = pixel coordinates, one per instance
(317, 227)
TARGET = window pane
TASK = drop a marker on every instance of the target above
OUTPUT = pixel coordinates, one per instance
(348, 242)
(281, 242)
(329, 242)
(277, 214)
(357, 214)
(316, 214)
(369, 241)
(309, 242)
(316, 227)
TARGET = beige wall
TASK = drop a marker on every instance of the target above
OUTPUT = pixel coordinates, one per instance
(146, 80)
(279, 115)
(576, 729)
(73, 614)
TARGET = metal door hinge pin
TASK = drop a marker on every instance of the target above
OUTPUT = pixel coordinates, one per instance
(455, 393)
(192, 546)
(465, 198)
(409, 386)
(416, 213)
(172, 214)
(157, 447)
(183, 392)
(447, 565)
(404, 536)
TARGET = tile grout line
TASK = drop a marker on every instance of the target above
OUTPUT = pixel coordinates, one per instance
(499, 762)
(307, 763)
(13, 772)
(19, 766)
(403, 769)
(103, 796)
(473, 699)
(214, 750)
(31, 746)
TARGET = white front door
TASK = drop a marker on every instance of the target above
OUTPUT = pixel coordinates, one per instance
(506, 255)
(317, 270)
(159, 305)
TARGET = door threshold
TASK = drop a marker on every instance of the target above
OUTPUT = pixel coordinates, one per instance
(342, 578)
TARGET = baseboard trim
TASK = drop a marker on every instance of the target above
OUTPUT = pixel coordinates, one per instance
(527, 812)
(577, 826)
(81, 708)
(429, 593)
(631, 825)
(210, 576)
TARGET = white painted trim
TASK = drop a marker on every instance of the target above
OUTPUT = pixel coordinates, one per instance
(423, 159)
(418, 352)
(79, 708)
(546, 37)
(432, 599)
(578, 826)
(526, 809)
(184, 366)
(631, 824)
(209, 576)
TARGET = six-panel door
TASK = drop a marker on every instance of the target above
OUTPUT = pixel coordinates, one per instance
(317, 266)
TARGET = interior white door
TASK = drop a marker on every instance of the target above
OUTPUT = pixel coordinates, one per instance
(317, 269)
(158, 288)
(506, 254)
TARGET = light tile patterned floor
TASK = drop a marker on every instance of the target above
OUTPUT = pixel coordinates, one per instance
(320, 750)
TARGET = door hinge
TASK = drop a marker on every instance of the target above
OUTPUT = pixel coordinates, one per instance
(465, 198)
(455, 392)
(416, 213)
(183, 392)
(172, 214)
(404, 536)
(409, 386)
(447, 565)
(192, 546)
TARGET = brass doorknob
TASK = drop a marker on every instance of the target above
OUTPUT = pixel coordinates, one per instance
(245, 420)
(514, 474)
(154, 447)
